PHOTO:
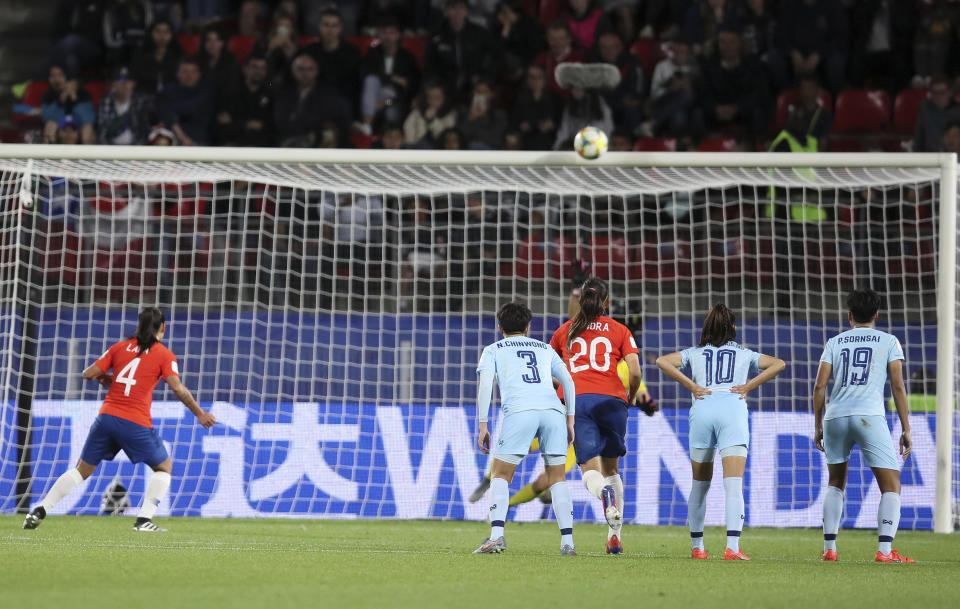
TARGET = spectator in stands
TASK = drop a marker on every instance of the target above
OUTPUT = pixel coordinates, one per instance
(536, 111)
(460, 52)
(66, 96)
(483, 124)
(734, 93)
(664, 16)
(161, 136)
(280, 47)
(67, 130)
(626, 101)
(338, 61)
(808, 123)
(517, 37)
(950, 142)
(125, 24)
(759, 40)
(390, 75)
(673, 93)
(217, 62)
(936, 112)
(305, 107)
(583, 108)
(703, 21)
(882, 46)
(125, 114)
(155, 66)
(78, 27)
(432, 115)
(392, 138)
(245, 113)
(933, 41)
(587, 21)
(560, 43)
(187, 106)
(451, 139)
(248, 19)
(813, 36)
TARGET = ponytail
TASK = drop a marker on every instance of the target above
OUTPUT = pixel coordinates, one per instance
(148, 325)
(718, 327)
(593, 303)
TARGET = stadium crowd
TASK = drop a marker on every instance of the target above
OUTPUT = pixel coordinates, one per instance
(479, 74)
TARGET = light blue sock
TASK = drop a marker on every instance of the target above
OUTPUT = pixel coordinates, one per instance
(733, 490)
(499, 503)
(832, 513)
(697, 511)
(888, 519)
(563, 510)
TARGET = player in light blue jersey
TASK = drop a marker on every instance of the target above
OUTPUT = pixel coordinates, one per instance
(859, 361)
(720, 379)
(525, 368)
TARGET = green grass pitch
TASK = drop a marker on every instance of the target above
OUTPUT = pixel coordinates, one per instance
(81, 562)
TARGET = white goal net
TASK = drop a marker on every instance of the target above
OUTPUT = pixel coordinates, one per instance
(331, 312)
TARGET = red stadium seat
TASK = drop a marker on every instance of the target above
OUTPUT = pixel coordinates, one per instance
(550, 11)
(417, 46)
(655, 144)
(649, 52)
(717, 144)
(241, 47)
(12, 136)
(537, 259)
(33, 97)
(663, 261)
(790, 96)
(862, 111)
(906, 108)
(832, 261)
(364, 43)
(308, 40)
(611, 257)
(95, 89)
(124, 271)
(361, 141)
(190, 43)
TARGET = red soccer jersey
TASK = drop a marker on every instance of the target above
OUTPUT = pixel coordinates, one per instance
(134, 379)
(592, 358)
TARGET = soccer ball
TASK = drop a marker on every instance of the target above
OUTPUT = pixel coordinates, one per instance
(590, 143)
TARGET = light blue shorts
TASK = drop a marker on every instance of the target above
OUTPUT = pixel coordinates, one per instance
(869, 432)
(518, 430)
(719, 421)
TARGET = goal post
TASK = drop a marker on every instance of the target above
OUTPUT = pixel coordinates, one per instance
(348, 293)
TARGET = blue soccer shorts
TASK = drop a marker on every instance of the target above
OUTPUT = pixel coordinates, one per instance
(600, 427)
(518, 430)
(109, 435)
(869, 432)
(719, 420)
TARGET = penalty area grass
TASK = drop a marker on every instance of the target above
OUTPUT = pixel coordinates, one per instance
(95, 562)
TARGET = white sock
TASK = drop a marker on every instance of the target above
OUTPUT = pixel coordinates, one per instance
(697, 511)
(499, 503)
(563, 510)
(617, 483)
(594, 481)
(67, 481)
(156, 489)
(888, 519)
(733, 490)
(832, 513)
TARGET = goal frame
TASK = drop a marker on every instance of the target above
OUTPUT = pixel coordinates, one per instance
(947, 213)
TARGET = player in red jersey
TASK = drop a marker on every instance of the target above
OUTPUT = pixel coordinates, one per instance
(592, 344)
(124, 422)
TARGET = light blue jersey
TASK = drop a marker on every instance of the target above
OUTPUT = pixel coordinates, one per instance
(524, 368)
(720, 368)
(859, 358)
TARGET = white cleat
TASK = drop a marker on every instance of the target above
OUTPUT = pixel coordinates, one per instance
(492, 546)
(147, 526)
(610, 508)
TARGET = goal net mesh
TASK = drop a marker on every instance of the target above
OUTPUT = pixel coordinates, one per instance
(331, 316)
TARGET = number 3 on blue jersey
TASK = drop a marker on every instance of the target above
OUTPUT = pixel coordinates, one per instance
(531, 358)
